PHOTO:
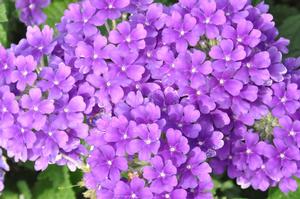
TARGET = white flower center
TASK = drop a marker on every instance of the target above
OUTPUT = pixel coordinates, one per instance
(24, 73)
(282, 155)
(188, 166)
(239, 39)
(292, 133)
(194, 70)
(248, 65)
(95, 56)
(167, 195)
(35, 108)
(128, 39)
(50, 133)
(31, 6)
(172, 149)
(248, 151)
(110, 6)
(148, 141)
(207, 20)
(4, 109)
(108, 84)
(283, 99)
(263, 166)
(222, 81)
(182, 33)
(149, 54)
(125, 136)
(227, 58)
(22, 130)
(66, 110)
(5, 66)
(173, 65)
(133, 195)
(162, 174)
(109, 162)
(123, 68)
(198, 93)
(55, 82)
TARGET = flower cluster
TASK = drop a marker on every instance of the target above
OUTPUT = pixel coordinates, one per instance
(162, 96)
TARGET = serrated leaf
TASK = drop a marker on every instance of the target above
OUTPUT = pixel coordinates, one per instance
(290, 30)
(56, 10)
(54, 183)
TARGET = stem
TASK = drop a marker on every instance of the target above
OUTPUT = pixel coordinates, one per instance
(107, 27)
(114, 24)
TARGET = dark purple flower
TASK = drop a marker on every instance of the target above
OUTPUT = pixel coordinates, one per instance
(136, 189)
(161, 174)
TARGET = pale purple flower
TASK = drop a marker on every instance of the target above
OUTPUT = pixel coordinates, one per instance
(8, 107)
(56, 81)
(128, 37)
(24, 75)
(7, 58)
(36, 109)
(110, 9)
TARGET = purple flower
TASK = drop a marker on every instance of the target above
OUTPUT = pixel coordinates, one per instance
(6, 65)
(209, 17)
(24, 75)
(71, 113)
(36, 109)
(106, 164)
(110, 9)
(56, 81)
(148, 142)
(194, 170)
(40, 41)
(175, 194)
(128, 37)
(161, 174)
(136, 189)
(256, 68)
(83, 18)
(243, 34)
(8, 107)
(176, 147)
(125, 64)
(285, 99)
(227, 56)
(289, 131)
(120, 131)
(92, 56)
(109, 85)
(184, 118)
(246, 153)
(3, 169)
(181, 30)
(31, 11)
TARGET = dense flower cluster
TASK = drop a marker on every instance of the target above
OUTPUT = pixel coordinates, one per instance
(162, 96)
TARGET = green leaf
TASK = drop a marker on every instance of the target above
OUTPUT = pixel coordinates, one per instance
(56, 10)
(290, 29)
(54, 183)
(282, 11)
(3, 34)
(275, 193)
(3, 15)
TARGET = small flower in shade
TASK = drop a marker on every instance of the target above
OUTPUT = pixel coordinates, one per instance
(125, 63)
(161, 174)
(41, 41)
(175, 148)
(227, 56)
(148, 142)
(135, 190)
(56, 81)
(245, 154)
(109, 85)
(244, 33)
(128, 37)
(194, 170)
(8, 107)
(175, 194)
(184, 118)
(209, 17)
(82, 18)
(36, 109)
(121, 132)
(256, 69)
(181, 30)
(106, 164)
(3, 169)
(110, 9)
(7, 58)
(71, 114)
(288, 185)
(289, 131)
(92, 57)
(24, 75)
(31, 11)
(277, 69)
(285, 99)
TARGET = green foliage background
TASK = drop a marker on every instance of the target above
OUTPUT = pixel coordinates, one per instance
(59, 183)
